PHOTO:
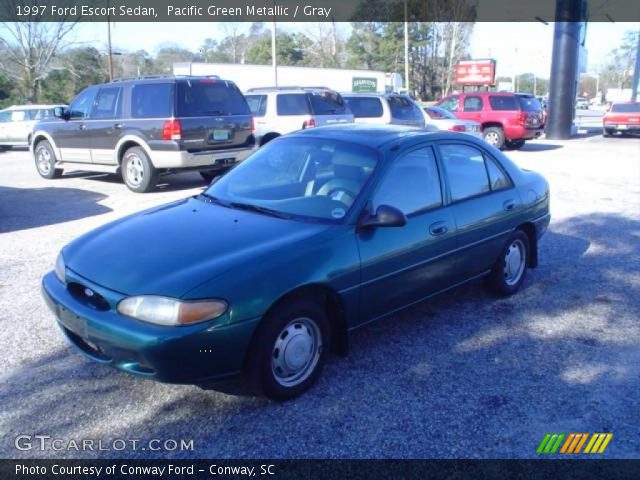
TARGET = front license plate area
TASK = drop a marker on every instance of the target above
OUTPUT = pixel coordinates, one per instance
(219, 135)
(73, 322)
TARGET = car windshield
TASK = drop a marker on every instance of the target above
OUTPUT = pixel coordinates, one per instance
(625, 108)
(304, 178)
(438, 113)
(529, 104)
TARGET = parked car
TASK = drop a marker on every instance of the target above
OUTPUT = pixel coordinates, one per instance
(378, 108)
(506, 119)
(144, 127)
(621, 118)
(16, 124)
(269, 269)
(281, 110)
(582, 103)
(445, 120)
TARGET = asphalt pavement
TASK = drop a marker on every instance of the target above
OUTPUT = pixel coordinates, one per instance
(465, 375)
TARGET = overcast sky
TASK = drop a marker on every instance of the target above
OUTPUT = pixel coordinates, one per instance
(517, 47)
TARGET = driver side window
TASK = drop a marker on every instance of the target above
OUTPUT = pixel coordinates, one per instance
(412, 183)
(82, 104)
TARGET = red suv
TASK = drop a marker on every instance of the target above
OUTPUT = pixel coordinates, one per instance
(506, 119)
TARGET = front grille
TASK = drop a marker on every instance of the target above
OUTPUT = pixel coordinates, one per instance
(86, 346)
(88, 296)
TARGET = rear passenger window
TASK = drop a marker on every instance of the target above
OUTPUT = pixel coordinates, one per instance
(412, 183)
(466, 172)
(473, 104)
(108, 103)
(292, 104)
(497, 177)
(152, 100)
(503, 102)
(365, 107)
(257, 104)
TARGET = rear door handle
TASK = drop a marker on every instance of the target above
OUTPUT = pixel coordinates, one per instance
(117, 126)
(509, 205)
(82, 126)
(438, 228)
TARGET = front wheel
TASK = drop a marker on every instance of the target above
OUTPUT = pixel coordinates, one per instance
(46, 160)
(288, 350)
(510, 269)
(4, 148)
(606, 132)
(494, 136)
(137, 170)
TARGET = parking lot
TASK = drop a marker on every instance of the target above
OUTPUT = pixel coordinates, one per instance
(465, 375)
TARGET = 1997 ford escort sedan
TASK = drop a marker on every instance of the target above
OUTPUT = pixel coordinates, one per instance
(317, 233)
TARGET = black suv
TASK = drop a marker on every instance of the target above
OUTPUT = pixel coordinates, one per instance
(147, 126)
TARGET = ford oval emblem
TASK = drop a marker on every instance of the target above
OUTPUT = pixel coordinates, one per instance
(88, 292)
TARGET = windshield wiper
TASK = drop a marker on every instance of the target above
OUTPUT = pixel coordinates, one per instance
(213, 199)
(256, 208)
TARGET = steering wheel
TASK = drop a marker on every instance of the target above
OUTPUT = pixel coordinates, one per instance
(340, 190)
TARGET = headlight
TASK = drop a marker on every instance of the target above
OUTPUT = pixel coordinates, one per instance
(61, 268)
(169, 311)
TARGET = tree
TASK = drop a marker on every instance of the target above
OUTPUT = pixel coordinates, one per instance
(618, 72)
(29, 49)
(288, 49)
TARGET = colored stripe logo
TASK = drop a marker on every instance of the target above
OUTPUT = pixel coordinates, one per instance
(574, 442)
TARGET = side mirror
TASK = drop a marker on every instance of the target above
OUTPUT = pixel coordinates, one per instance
(385, 216)
(61, 112)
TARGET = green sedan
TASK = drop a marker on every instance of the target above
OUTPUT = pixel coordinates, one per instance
(267, 271)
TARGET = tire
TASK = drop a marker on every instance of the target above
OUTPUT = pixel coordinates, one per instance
(299, 327)
(494, 136)
(510, 269)
(606, 132)
(209, 175)
(46, 160)
(138, 172)
(4, 148)
(515, 144)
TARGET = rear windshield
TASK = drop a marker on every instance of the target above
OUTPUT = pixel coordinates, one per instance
(529, 104)
(625, 108)
(365, 107)
(503, 102)
(205, 97)
(327, 103)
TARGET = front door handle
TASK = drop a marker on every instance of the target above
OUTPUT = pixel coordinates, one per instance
(82, 126)
(509, 205)
(117, 126)
(438, 228)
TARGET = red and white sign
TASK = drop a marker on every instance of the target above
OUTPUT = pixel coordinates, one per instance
(476, 72)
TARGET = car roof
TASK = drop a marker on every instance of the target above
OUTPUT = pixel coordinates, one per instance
(373, 94)
(372, 135)
(292, 89)
(27, 107)
(164, 79)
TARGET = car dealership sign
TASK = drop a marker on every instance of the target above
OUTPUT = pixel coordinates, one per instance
(475, 72)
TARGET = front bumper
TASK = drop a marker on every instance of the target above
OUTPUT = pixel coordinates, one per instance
(193, 354)
(210, 159)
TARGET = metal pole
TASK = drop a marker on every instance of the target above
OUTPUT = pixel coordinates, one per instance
(564, 67)
(636, 73)
(406, 46)
(109, 58)
(273, 54)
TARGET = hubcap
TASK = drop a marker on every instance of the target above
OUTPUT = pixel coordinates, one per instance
(491, 138)
(135, 170)
(296, 352)
(44, 160)
(514, 263)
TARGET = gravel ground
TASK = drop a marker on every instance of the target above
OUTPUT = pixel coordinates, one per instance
(465, 375)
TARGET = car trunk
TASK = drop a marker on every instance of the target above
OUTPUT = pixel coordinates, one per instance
(532, 114)
(626, 114)
(213, 115)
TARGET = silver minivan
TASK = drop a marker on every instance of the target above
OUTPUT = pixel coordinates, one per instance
(281, 110)
(16, 124)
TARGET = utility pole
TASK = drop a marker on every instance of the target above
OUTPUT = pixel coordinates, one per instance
(273, 54)
(406, 46)
(636, 72)
(109, 54)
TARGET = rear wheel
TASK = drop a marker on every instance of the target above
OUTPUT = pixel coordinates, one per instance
(288, 350)
(515, 144)
(137, 170)
(510, 269)
(4, 148)
(494, 136)
(46, 160)
(209, 175)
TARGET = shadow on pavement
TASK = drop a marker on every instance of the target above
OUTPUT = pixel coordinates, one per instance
(533, 146)
(24, 208)
(562, 355)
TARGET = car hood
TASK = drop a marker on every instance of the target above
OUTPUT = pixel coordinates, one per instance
(172, 249)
